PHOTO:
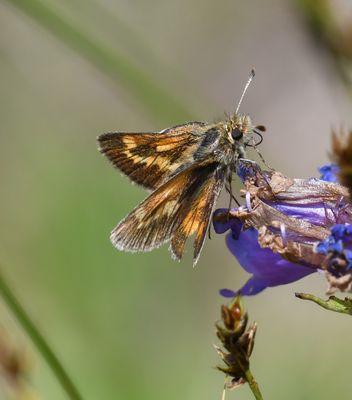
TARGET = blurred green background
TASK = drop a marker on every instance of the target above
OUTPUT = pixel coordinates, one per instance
(141, 326)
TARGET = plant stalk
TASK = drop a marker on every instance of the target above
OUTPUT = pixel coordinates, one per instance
(253, 385)
(158, 102)
(39, 341)
(343, 306)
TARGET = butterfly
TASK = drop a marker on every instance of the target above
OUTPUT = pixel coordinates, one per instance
(185, 167)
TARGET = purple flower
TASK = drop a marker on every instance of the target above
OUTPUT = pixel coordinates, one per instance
(267, 268)
(283, 232)
(329, 173)
(337, 248)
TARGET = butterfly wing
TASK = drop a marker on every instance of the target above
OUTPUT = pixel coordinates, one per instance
(198, 212)
(149, 159)
(177, 209)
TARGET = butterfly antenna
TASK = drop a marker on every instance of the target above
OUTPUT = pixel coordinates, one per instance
(251, 76)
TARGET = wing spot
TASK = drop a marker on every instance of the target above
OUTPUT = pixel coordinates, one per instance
(167, 146)
(170, 207)
(129, 142)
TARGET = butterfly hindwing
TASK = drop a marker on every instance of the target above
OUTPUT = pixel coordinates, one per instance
(177, 209)
(149, 159)
(198, 212)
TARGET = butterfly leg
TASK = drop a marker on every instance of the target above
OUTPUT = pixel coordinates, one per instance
(261, 157)
(228, 188)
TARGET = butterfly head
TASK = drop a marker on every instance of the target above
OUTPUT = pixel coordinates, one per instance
(238, 128)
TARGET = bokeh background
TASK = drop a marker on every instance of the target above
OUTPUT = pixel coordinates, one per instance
(141, 326)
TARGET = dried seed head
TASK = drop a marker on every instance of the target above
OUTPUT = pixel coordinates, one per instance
(342, 155)
(237, 341)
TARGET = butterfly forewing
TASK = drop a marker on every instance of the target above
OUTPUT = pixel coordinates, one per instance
(149, 159)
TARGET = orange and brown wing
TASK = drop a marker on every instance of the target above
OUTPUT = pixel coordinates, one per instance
(179, 208)
(149, 159)
(198, 213)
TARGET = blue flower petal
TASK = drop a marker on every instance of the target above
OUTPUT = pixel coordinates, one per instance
(314, 213)
(329, 172)
(227, 293)
(231, 223)
(338, 231)
(246, 169)
(251, 287)
(268, 269)
(323, 247)
(337, 246)
(348, 230)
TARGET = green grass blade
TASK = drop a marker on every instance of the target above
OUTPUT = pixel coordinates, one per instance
(39, 341)
(160, 104)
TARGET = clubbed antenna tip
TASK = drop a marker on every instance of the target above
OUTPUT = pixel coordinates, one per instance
(251, 76)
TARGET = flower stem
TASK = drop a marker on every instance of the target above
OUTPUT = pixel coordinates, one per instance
(332, 303)
(38, 340)
(253, 385)
(156, 100)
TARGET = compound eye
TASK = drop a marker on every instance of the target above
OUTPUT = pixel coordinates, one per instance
(237, 134)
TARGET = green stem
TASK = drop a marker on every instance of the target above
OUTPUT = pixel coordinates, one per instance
(160, 104)
(332, 303)
(38, 340)
(253, 385)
